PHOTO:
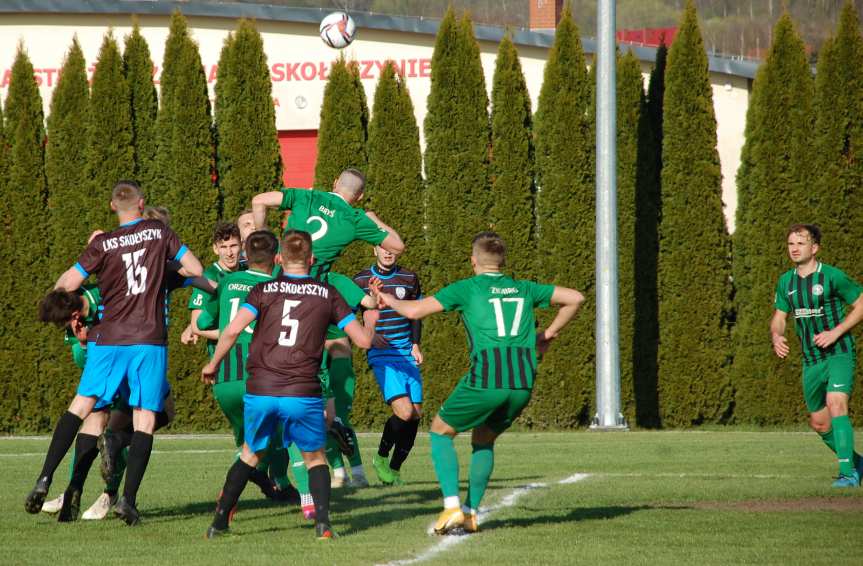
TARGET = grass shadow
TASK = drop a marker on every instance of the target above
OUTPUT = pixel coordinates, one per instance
(576, 515)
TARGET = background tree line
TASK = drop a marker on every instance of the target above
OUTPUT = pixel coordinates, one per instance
(693, 309)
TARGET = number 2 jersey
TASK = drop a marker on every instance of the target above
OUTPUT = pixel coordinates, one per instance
(293, 313)
(497, 312)
(332, 223)
(130, 264)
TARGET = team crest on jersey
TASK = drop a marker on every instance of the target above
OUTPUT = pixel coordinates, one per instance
(817, 290)
(400, 292)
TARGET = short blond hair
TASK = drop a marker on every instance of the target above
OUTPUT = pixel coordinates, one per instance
(489, 249)
(125, 195)
(159, 213)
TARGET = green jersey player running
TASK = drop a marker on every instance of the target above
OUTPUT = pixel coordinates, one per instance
(333, 222)
(497, 312)
(817, 294)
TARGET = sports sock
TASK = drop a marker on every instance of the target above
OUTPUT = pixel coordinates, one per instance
(445, 462)
(277, 459)
(843, 435)
(828, 439)
(481, 465)
(357, 472)
(344, 382)
(235, 483)
(162, 420)
(319, 482)
(260, 478)
(64, 434)
(301, 475)
(139, 457)
(334, 454)
(112, 486)
(389, 436)
(86, 451)
(404, 444)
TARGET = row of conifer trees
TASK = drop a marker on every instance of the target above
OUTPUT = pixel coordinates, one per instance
(693, 308)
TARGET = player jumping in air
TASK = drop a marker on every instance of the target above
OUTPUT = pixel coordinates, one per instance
(396, 367)
(333, 222)
(127, 345)
(292, 314)
(816, 294)
(497, 312)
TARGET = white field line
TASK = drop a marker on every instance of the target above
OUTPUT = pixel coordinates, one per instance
(508, 500)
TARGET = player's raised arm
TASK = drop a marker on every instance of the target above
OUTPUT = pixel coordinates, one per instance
(393, 242)
(244, 317)
(569, 300)
(71, 279)
(777, 333)
(413, 310)
(263, 201)
(191, 265)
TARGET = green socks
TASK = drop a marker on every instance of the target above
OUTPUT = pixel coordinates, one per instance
(343, 381)
(445, 462)
(481, 465)
(301, 474)
(843, 437)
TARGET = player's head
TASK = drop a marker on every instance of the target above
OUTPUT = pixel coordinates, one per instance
(127, 198)
(226, 244)
(804, 241)
(261, 249)
(351, 184)
(488, 251)
(386, 259)
(296, 250)
(60, 307)
(246, 223)
(159, 213)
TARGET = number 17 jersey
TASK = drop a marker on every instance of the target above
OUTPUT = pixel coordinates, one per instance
(497, 312)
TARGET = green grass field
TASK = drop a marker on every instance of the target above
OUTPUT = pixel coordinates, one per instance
(718, 497)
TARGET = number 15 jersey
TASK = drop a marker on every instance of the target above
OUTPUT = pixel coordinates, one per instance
(497, 312)
(293, 313)
(129, 264)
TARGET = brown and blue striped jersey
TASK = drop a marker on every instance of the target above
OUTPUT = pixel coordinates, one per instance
(497, 312)
(400, 332)
(818, 303)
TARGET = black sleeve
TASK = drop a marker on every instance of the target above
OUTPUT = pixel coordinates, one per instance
(173, 279)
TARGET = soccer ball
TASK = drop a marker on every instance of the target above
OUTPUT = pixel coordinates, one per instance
(338, 30)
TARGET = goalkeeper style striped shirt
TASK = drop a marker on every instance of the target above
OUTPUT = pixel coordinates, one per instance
(497, 312)
(818, 302)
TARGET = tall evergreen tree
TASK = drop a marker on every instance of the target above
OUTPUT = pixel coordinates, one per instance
(774, 187)
(110, 155)
(512, 190)
(630, 101)
(8, 389)
(69, 201)
(694, 262)
(144, 104)
(248, 148)
(457, 137)
(24, 275)
(647, 205)
(566, 225)
(178, 36)
(395, 192)
(193, 201)
(839, 139)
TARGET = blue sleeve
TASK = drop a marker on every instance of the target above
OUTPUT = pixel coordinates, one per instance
(181, 252)
(250, 308)
(82, 271)
(346, 321)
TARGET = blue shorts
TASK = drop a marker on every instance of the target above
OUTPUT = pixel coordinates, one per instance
(398, 378)
(142, 367)
(302, 419)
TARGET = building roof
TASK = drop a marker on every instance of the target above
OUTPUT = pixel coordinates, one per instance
(270, 12)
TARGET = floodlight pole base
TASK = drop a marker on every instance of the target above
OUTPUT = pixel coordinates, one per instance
(620, 426)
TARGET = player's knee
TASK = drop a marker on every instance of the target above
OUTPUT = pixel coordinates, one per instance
(837, 404)
(820, 422)
(402, 410)
(483, 436)
(439, 426)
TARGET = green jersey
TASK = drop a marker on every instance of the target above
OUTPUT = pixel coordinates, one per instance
(232, 292)
(90, 294)
(818, 302)
(332, 222)
(497, 312)
(202, 301)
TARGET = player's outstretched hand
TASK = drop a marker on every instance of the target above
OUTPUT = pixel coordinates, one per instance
(79, 329)
(376, 288)
(188, 337)
(417, 354)
(94, 234)
(780, 346)
(827, 338)
(208, 374)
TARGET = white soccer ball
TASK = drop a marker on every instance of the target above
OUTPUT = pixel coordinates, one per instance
(338, 30)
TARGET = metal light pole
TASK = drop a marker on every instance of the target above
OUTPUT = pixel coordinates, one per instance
(608, 415)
